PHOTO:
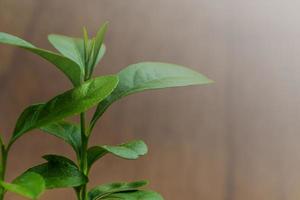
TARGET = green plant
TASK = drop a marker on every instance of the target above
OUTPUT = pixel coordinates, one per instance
(77, 60)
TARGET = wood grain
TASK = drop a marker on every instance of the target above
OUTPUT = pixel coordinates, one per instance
(236, 139)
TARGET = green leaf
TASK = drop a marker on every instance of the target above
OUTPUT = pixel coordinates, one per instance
(86, 44)
(70, 68)
(69, 132)
(130, 150)
(60, 172)
(107, 189)
(98, 44)
(134, 195)
(30, 185)
(64, 105)
(74, 48)
(148, 76)
(85, 38)
(100, 55)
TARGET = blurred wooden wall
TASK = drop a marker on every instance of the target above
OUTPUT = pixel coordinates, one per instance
(236, 139)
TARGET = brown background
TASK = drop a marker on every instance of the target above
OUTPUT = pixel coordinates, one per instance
(235, 140)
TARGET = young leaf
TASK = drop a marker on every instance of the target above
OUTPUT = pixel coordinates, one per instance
(148, 76)
(69, 132)
(76, 49)
(30, 185)
(85, 44)
(64, 105)
(60, 172)
(130, 150)
(100, 55)
(85, 37)
(71, 69)
(107, 189)
(98, 44)
(134, 195)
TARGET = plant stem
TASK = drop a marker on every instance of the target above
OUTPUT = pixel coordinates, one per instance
(83, 160)
(3, 162)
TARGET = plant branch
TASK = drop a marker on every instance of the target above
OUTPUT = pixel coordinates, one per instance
(3, 161)
(83, 159)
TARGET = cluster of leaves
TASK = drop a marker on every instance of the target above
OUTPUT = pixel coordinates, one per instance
(77, 59)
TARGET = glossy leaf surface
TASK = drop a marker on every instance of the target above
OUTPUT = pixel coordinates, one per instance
(148, 76)
(130, 150)
(70, 68)
(60, 172)
(64, 105)
(30, 185)
(134, 195)
(107, 189)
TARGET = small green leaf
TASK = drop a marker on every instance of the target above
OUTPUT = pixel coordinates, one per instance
(60, 172)
(95, 50)
(64, 105)
(100, 55)
(134, 195)
(85, 44)
(107, 189)
(130, 150)
(69, 132)
(85, 37)
(30, 185)
(148, 76)
(70, 68)
(98, 44)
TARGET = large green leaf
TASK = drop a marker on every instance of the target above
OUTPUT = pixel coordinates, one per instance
(70, 68)
(134, 195)
(107, 189)
(69, 132)
(30, 185)
(130, 150)
(64, 105)
(148, 76)
(60, 172)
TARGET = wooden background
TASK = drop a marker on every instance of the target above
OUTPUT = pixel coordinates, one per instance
(235, 140)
